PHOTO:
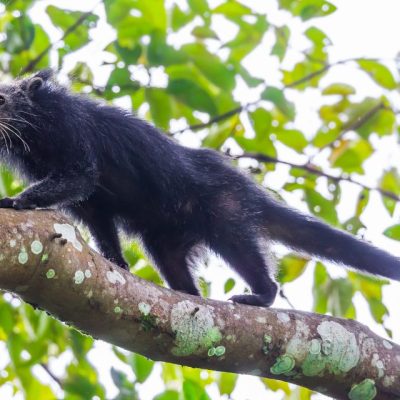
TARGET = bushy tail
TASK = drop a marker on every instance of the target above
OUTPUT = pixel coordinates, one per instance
(308, 234)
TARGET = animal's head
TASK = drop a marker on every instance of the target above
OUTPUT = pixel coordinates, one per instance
(20, 104)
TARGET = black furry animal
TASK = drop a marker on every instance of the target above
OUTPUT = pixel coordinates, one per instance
(111, 170)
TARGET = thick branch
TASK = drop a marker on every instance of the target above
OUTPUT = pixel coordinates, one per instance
(65, 277)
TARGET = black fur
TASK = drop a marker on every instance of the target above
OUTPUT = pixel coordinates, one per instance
(114, 171)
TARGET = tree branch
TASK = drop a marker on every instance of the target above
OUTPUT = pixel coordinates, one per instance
(290, 85)
(315, 171)
(32, 64)
(353, 125)
(337, 357)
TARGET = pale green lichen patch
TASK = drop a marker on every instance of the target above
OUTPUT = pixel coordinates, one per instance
(339, 351)
(283, 317)
(387, 345)
(50, 274)
(194, 328)
(378, 364)
(13, 243)
(283, 364)
(365, 390)
(389, 381)
(220, 351)
(68, 232)
(88, 274)
(267, 340)
(144, 308)
(216, 351)
(36, 247)
(23, 256)
(45, 258)
(315, 346)
(114, 276)
(117, 310)
(79, 277)
(231, 338)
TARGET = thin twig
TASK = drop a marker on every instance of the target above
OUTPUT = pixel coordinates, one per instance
(352, 126)
(32, 64)
(239, 109)
(284, 297)
(315, 171)
(52, 376)
(290, 85)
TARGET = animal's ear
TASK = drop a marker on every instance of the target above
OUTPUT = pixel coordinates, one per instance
(44, 74)
(35, 82)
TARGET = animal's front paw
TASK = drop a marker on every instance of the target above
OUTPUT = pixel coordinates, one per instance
(16, 204)
(7, 203)
(260, 300)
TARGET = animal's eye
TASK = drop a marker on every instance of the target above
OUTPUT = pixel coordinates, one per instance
(2, 100)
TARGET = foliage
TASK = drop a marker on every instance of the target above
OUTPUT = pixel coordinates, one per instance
(200, 72)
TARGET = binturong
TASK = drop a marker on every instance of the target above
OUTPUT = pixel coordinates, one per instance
(116, 173)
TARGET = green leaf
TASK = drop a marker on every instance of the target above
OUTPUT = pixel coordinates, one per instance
(20, 34)
(350, 155)
(64, 19)
(261, 121)
(282, 34)
(141, 366)
(199, 6)
(379, 73)
(167, 395)
(320, 288)
(160, 106)
(341, 89)
(232, 9)
(321, 206)
(362, 202)
(129, 56)
(211, 66)
(160, 53)
(291, 267)
(317, 37)
(378, 310)
(204, 32)
(120, 84)
(340, 297)
(275, 385)
(193, 391)
(393, 232)
(390, 182)
(179, 18)
(229, 285)
(292, 138)
(304, 75)
(277, 97)
(226, 383)
(307, 9)
(191, 94)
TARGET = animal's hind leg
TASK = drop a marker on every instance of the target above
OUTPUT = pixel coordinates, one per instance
(171, 260)
(245, 256)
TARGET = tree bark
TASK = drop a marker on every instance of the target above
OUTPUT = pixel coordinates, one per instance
(44, 260)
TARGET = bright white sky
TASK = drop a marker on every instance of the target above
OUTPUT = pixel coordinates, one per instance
(359, 28)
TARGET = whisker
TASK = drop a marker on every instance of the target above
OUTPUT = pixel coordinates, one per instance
(21, 119)
(17, 133)
(5, 139)
(8, 135)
